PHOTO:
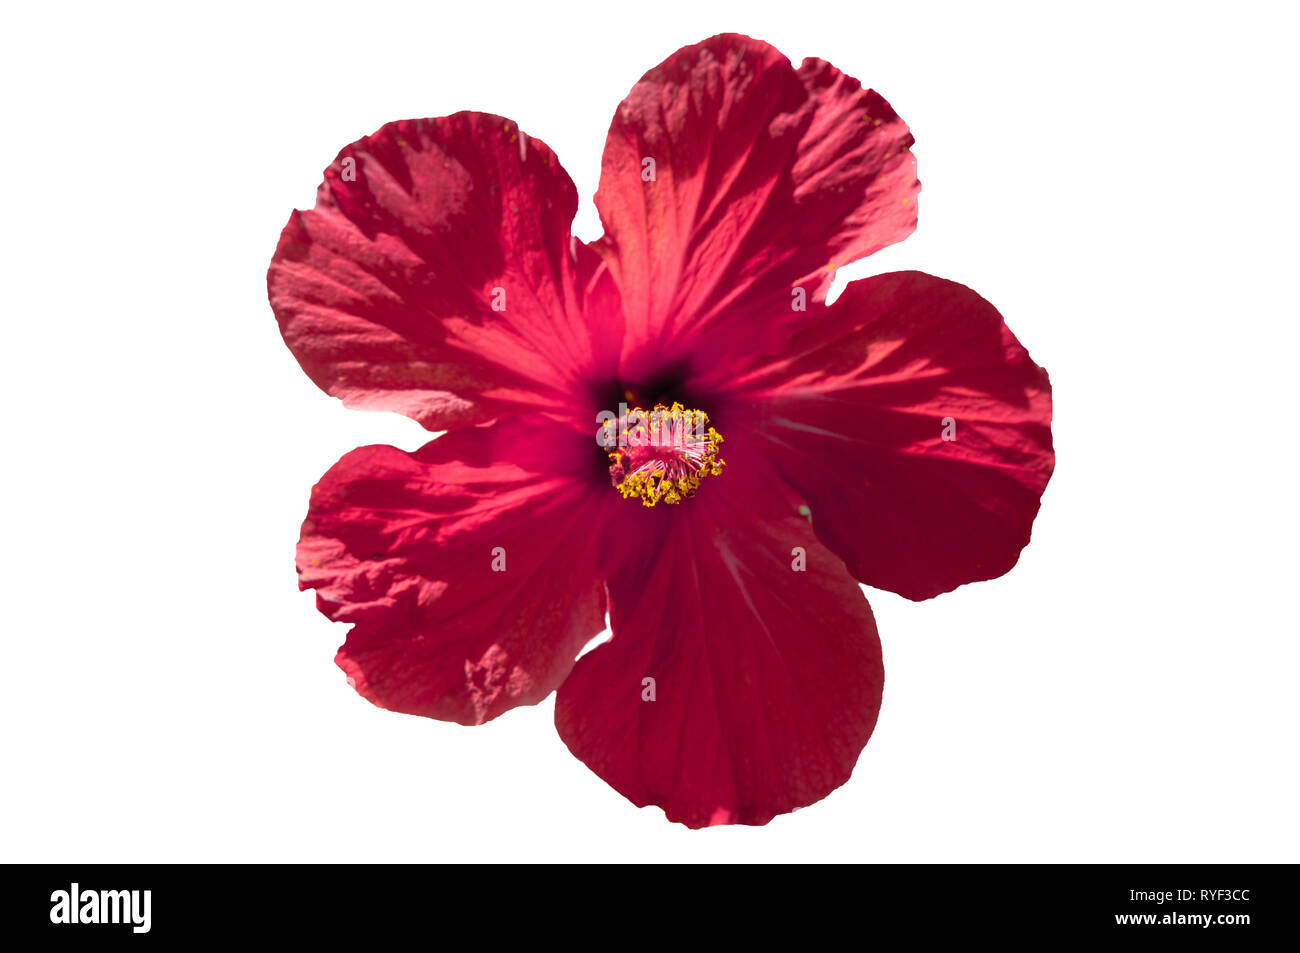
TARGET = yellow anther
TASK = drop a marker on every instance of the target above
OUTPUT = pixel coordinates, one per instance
(663, 454)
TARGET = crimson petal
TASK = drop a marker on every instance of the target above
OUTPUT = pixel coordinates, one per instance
(466, 567)
(764, 178)
(857, 414)
(437, 277)
(767, 680)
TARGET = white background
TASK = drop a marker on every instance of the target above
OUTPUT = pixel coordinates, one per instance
(1120, 180)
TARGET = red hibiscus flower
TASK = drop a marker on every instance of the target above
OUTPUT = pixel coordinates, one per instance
(899, 437)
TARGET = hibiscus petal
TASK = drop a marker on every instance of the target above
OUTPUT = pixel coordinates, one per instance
(764, 178)
(466, 567)
(767, 680)
(437, 277)
(917, 428)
